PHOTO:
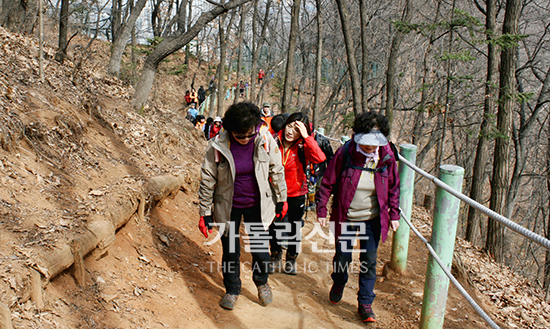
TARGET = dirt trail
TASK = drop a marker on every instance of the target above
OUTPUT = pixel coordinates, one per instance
(160, 274)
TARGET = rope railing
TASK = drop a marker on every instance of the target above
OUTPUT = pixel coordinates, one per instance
(503, 220)
(470, 300)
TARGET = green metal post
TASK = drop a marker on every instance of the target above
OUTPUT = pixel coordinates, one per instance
(443, 242)
(206, 105)
(400, 242)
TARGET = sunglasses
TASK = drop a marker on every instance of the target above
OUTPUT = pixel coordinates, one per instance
(244, 136)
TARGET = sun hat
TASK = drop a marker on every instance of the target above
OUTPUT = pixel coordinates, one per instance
(374, 138)
(217, 119)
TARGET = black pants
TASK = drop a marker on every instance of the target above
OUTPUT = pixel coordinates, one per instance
(259, 240)
(290, 228)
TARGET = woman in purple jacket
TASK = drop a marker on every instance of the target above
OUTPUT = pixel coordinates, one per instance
(364, 180)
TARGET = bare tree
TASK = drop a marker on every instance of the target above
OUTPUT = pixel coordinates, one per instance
(499, 183)
(352, 63)
(478, 176)
(392, 63)
(63, 26)
(256, 45)
(171, 44)
(19, 15)
(289, 72)
(318, 64)
(113, 68)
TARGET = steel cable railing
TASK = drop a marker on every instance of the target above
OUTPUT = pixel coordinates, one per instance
(503, 220)
(470, 300)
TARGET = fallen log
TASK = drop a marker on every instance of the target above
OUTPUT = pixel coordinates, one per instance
(100, 233)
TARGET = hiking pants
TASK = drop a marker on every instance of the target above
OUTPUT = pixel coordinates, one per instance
(368, 234)
(258, 245)
(290, 228)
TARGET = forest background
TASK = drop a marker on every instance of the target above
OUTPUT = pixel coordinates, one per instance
(466, 81)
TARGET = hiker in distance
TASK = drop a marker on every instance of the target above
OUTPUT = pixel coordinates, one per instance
(364, 179)
(242, 178)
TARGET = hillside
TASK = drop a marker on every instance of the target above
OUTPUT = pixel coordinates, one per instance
(73, 149)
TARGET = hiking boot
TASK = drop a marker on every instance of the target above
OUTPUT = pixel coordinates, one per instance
(336, 293)
(228, 301)
(265, 295)
(276, 262)
(366, 313)
(290, 264)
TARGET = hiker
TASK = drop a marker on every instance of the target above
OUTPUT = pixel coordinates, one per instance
(267, 115)
(201, 122)
(316, 170)
(192, 112)
(201, 94)
(212, 85)
(364, 179)
(242, 176)
(207, 126)
(324, 144)
(277, 123)
(297, 148)
(187, 97)
(241, 88)
(193, 96)
(261, 76)
(216, 127)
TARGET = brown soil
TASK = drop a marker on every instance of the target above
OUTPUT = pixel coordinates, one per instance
(72, 145)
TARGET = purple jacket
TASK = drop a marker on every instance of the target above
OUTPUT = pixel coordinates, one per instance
(343, 185)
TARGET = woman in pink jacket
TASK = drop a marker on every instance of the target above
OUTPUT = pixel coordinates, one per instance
(364, 179)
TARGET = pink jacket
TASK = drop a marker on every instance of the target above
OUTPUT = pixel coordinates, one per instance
(343, 183)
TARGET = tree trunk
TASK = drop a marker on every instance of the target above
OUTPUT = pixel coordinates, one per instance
(365, 67)
(221, 66)
(440, 152)
(256, 46)
(19, 15)
(63, 26)
(240, 51)
(289, 73)
(521, 138)
(116, 19)
(352, 64)
(392, 63)
(478, 176)
(318, 65)
(113, 67)
(500, 180)
(169, 46)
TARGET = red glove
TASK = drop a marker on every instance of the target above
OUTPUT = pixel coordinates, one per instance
(205, 225)
(280, 210)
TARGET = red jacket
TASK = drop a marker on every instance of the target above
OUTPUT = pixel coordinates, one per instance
(343, 184)
(296, 180)
(214, 130)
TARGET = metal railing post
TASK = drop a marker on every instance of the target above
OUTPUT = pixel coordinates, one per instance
(443, 241)
(400, 242)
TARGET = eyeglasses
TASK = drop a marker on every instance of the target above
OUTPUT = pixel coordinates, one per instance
(244, 136)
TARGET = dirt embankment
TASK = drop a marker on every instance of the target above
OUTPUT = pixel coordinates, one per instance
(72, 147)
